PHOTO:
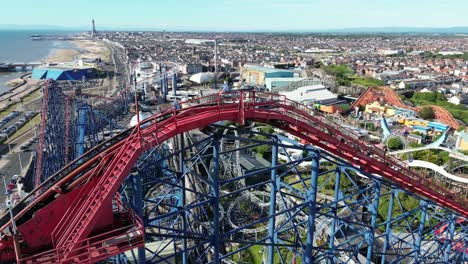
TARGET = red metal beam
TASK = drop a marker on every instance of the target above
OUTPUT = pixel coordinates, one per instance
(113, 164)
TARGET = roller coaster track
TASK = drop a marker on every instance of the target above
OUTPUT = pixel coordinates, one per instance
(69, 218)
(388, 95)
(453, 154)
(438, 169)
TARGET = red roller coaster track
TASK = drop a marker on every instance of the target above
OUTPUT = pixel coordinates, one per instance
(73, 219)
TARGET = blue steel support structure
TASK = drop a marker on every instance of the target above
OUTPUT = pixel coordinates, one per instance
(174, 84)
(311, 202)
(388, 229)
(313, 208)
(420, 232)
(138, 205)
(215, 200)
(53, 146)
(273, 192)
(373, 210)
(80, 132)
(70, 128)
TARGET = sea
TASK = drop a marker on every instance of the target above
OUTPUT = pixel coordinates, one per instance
(17, 46)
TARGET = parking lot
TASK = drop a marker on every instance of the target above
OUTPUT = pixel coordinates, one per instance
(12, 122)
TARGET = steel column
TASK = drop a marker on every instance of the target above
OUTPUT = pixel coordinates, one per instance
(373, 210)
(451, 231)
(138, 205)
(311, 201)
(422, 222)
(388, 225)
(273, 191)
(182, 170)
(336, 198)
(174, 84)
(215, 200)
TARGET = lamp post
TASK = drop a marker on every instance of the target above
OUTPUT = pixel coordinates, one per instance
(20, 163)
(13, 224)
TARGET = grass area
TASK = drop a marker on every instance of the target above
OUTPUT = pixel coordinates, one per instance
(8, 110)
(255, 253)
(29, 125)
(251, 255)
(345, 76)
(458, 111)
(366, 81)
(34, 95)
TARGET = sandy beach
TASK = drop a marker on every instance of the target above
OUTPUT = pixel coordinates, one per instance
(63, 55)
(86, 49)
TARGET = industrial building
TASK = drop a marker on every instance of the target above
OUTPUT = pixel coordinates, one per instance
(316, 94)
(63, 73)
(256, 75)
(273, 83)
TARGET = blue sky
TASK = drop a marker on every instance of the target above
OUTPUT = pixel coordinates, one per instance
(236, 14)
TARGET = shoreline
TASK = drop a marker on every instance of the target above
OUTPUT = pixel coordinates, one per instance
(78, 49)
(82, 49)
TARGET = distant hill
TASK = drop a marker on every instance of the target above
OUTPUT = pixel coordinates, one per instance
(449, 30)
(361, 30)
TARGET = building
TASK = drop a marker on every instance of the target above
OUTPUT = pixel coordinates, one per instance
(256, 75)
(387, 52)
(275, 83)
(454, 100)
(462, 141)
(191, 68)
(62, 73)
(202, 77)
(314, 94)
(377, 108)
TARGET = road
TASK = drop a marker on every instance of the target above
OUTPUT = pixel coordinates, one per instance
(11, 164)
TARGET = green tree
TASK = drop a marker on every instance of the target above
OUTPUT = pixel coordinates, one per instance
(426, 113)
(263, 150)
(443, 157)
(395, 143)
(414, 145)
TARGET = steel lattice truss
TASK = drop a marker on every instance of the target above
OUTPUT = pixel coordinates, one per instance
(195, 210)
(202, 198)
(55, 137)
(70, 127)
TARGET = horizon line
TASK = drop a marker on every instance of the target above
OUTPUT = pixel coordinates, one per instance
(363, 29)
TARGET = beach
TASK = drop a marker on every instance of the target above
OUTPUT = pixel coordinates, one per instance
(85, 49)
(79, 49)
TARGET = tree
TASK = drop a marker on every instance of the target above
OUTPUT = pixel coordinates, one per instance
(395, 143)
(426, 113)
(263, 150)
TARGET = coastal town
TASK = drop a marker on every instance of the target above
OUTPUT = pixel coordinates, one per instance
(157, 128)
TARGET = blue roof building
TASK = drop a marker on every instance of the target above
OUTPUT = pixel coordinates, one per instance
(67, 74)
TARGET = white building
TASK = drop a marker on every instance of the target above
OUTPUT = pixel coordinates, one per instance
(312, 94)
(454, 100)
(445, 53)
(203, 77)
(391, 52)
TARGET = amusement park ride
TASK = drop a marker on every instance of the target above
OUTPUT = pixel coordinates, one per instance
(161, 193)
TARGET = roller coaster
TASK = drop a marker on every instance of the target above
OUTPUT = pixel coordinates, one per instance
(155, 193)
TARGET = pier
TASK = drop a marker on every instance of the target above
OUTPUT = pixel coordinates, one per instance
(18, 66)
